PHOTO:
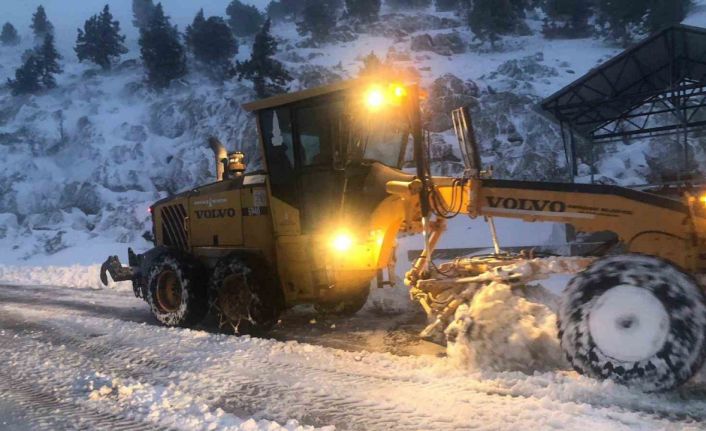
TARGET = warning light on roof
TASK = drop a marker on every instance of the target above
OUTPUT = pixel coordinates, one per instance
(375, 98)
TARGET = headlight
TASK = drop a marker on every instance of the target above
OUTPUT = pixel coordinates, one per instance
(342, 241)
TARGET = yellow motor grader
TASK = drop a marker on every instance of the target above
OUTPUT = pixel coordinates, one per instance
(320, 223)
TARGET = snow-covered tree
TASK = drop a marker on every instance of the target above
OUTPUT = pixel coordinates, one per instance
(49, 61)
(447, 5)
(318, 19)
(408, 4)
(38, 68)
(275, 11)
(372, 65)
(363, 10)
(212, 43)
(488, 19)
(278, 10)
(9, 36)
(162, 52)
(41, 26)
(267, 74)
(100, 40)
(662, 13)
(27, 76)
(566, 18)
(244, 20)
(621, 19)
(142, 11)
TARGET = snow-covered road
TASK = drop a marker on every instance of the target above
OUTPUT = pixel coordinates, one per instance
(92, 359)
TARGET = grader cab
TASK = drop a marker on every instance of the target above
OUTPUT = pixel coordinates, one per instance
(320, 223)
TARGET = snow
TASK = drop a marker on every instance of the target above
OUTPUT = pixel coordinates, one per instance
(132, 146)
(509, 331)
(170, 406)
(75, 276)
(181, 378)
(136, 146)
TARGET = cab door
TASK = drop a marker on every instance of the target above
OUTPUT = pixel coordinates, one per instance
(320, 186)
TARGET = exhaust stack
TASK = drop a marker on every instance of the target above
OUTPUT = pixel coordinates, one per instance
(221, 156)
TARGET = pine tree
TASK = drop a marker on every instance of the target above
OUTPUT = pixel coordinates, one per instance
(245, 20)
(447, 5)
(100, 40)
(27, 77)
(408, 4)
(275, 11)
(38, 69)
(620, 18)
(267, 74)
(279, 10)
(662, 13)
(9, 36)
(489, 19)
(566, 18)
(318, 19)
(212, 43)
(41, 24)
(372, 66)
(142, 11)
(196, 25)
(161, 50)
(49, 61)
(365, 11)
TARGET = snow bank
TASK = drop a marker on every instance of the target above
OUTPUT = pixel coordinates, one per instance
(76, 276)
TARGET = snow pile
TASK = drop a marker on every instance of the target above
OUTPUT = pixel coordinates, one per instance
(76, 276)
(169, 406)
(507, 328)
(513, 327)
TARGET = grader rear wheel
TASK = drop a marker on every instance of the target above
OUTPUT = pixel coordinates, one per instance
(634, 319)
(176, 287)
(245, 295)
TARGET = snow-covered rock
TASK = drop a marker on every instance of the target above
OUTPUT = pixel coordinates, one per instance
(87, 158)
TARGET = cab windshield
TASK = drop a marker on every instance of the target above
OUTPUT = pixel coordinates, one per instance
(382, 138)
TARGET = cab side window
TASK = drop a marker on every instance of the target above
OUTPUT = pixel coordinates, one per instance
(277, 131)
(317, 127)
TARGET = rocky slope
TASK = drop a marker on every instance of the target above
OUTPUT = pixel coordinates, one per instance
(80, 164)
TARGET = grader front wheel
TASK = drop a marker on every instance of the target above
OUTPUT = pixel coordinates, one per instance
(348, 305)
(634, 319)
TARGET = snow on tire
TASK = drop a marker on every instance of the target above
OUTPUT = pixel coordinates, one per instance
(635, 319)
(177, 292)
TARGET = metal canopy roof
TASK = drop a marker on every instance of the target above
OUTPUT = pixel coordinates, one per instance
(656, 87)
